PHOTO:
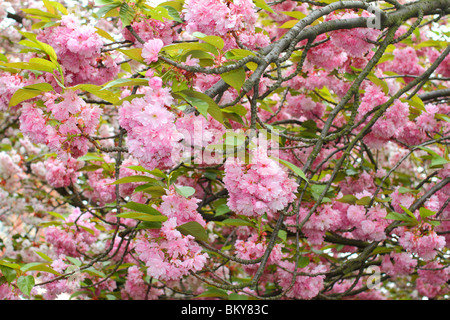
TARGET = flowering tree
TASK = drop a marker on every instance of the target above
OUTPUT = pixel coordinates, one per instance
(224, 149)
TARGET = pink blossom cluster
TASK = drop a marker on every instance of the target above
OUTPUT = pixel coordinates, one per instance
(326, 56)
(406, 62)
(387, 127)
(9, 84)
(103, 191)
(198, 133)
(223, 17)
(323, 220)
(398, 264)
(11, 173)
(149, 29)
(63, 126)
(259, 187)
(217, 17)
(305, 286)
(59, 174)
(434, 273)
(55, 288)
(405, 199)
(171, 255)
(422, 240)
(368, 226)
(182, 209)
(354, 42)
(433, 279)
(135, 287)
(390, 124)
(152, 136)
(427, 119)
(151, 50)
(78, 48)
(303, 107)
(7, 292)
(253, 248)
(74, 236)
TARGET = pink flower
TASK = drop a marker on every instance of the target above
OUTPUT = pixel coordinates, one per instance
(258, 188)
(397, 264)
(305, 287)
(170, 255)
(151, 50)
(423, 241)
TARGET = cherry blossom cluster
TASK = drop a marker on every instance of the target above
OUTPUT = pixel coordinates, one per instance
(63, 123)
(261, 186)
(152, 135)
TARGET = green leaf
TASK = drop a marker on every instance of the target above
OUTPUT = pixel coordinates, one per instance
(149, 225)
(142, 216)
(194, 229)
(25, 284)
(47, 49)
(94, 272)
(29, 92)
(236, 296)
(44, 256)
(9, 265)
(97, 90)
(237, 222)
(155, 191)
(140, 207)
(434, 222)
(398, 216)
(288, 24)
(91, 157)
(348, 198)
(126, 83)
(294, 168)
(56, 215)
(364, 201)
(104, 34)
(135, 54)
(282, 234)
(235, 78)
(424, 212)
(436, 159)
(126, 14)
(213, 293)
(408, 212)
(59, 6)
(262, 4)
(202, 102)
(155, 172)
(185, 191)
(238, 54)
(40, 13)
(8, 273)
(37, 266)
(173, 13)
(23, 95)
(302, 261)
(294, 14)
(131, 179)
(216, 41)
(74, 261)
(222, 209)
